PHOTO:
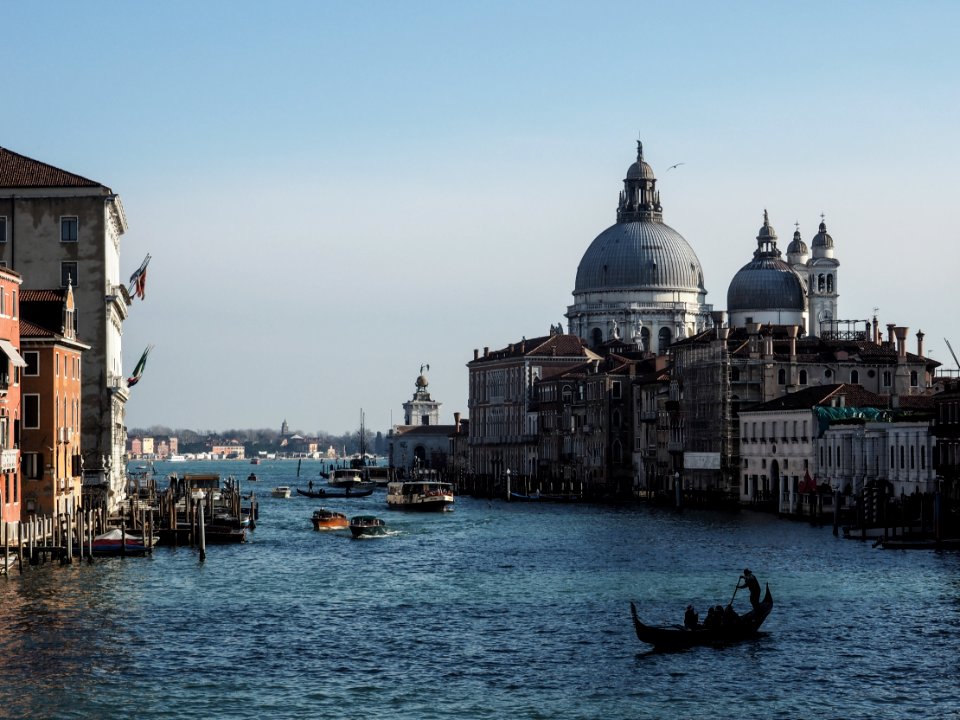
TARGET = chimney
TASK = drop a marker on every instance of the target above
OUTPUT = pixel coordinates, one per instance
(890, 336)
(719, 318)
(876, 331)
(723, 333)
(792, 332)
(486, 350)
(456, 422)
(476, 353)
(901, 333)
(920, 343)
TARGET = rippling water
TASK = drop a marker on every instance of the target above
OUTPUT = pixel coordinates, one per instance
(495, 610)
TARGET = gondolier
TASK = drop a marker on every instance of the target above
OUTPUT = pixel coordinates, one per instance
(750, 583)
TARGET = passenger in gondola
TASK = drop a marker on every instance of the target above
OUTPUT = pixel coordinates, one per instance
(751, 583)
(690, 618)
(730, 617)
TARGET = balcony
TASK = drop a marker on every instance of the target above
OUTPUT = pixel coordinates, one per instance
(9, 459)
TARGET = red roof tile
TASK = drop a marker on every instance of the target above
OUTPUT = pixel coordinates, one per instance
(28, 295)
(20, 171)
(30, 330)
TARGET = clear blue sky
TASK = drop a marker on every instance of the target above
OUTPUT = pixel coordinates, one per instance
(334, 193)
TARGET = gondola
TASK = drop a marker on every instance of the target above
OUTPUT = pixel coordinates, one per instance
(344, 493)
(678, 637)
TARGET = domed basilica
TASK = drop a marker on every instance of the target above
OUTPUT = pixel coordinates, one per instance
(639, 281)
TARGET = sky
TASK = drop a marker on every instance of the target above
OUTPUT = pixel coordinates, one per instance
(336, 193)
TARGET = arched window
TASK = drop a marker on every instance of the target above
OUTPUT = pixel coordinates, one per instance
(615, 420)
(821, 282)
(645, 339)
(829, 283)
(914, 378)
(903, 458)
(855, 377)
(663, 341)
(913, 457)
(596, 336)
(803, 377)
(567, 394)
(617, 452)
(923, 457)
(892, 463)
(781, 377)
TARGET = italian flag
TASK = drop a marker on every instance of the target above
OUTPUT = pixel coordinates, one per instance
(138, 370)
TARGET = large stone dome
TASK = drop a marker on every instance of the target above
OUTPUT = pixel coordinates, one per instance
(641, 255)
(766, 282)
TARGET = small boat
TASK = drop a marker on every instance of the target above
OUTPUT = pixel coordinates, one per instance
(419, 495)
(520, 497)
(281, 491)
(346, 492)
(116, 542)
(252, 477)
(679, 637)
(367, 526)
(324, 519)
(177, 458)
(255, 461)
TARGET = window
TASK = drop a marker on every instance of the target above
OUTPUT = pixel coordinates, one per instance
(31, 412)
(664, 339)
(616, 390)
(645, 339)
(68, 273)
(887, 378)
(803, 377)
(32, 358)
(424, 419)
(68, 229)
(914, 378)
(854, 377)
(33, 465)
(781, 377)
(735, 374)
(3, 229)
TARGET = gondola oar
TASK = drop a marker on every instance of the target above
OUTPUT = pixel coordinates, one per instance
(734, 594)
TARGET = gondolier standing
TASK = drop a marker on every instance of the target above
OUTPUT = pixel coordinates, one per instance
(751, 583)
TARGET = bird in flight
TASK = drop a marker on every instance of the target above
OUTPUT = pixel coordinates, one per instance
(677, 165)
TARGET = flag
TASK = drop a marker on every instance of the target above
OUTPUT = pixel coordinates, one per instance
(138, 370)
(138, 281)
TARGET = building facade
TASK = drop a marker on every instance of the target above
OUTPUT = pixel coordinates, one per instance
(52, 402)
(11, 367)
(62, 229)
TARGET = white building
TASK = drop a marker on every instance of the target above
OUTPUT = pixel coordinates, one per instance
(639, 280)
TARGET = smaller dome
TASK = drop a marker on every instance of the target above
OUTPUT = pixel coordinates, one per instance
(822, 239)
(797, 246)
(640, 171)
(766, 283)
(766, 231)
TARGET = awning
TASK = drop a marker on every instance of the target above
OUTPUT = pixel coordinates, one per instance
(11, 352)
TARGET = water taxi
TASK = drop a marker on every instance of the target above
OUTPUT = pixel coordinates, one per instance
(281, 491)
(324, 519)
(367, 526)
(346, 477)
(420, 495)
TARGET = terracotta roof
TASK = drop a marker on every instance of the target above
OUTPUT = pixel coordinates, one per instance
(556, 345)
(853, 396)
(27, 295)
(20, 171)
(30, 330)
(426, 430)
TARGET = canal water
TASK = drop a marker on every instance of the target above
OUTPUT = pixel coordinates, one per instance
(494, 610)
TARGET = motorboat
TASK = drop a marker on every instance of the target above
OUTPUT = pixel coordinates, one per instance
(324, 519)
(281, 491)
(367, 526)
(420, 495)
(346, 477)
(117, 542)
(347, 492)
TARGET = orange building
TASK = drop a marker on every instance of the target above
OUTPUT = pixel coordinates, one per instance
(11, 363)
(50, 385)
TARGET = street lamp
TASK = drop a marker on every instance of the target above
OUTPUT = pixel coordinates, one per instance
(508, 483)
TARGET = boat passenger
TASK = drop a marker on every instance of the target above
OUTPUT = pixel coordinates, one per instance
(751, 583)
(690, 618)
(730, 616)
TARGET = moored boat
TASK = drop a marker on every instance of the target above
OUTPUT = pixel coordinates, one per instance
(367, 526)
(324, 519)
(281, 491)
(419, 495)
(116, 542)
(379, 475)
(680, 637)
